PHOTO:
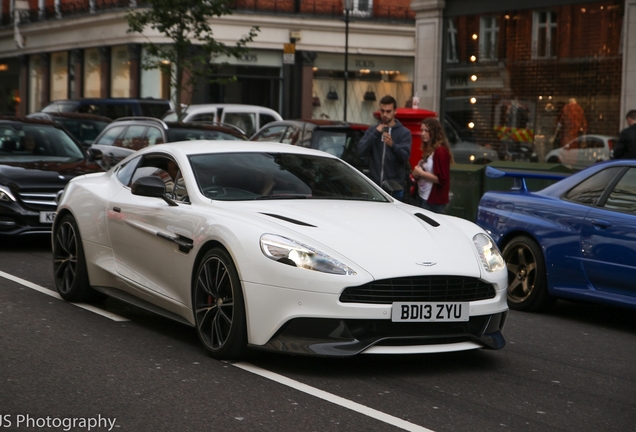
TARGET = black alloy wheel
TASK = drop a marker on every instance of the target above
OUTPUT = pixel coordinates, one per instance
(69, 262)
(527, 280)
(219, 308)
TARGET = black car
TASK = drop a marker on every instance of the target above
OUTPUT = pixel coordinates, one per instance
(112, 108)
(127, 135)
(83, 127)
(37, 160)
(331, 136)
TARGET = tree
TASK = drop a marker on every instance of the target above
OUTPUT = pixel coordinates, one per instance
(187, 24)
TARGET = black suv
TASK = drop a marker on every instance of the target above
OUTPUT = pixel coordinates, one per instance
(83, 127)
(113, 108)
(127, 135)
(37, 160)
(335, 137)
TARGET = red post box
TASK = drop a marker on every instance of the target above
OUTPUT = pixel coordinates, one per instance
(412, 118)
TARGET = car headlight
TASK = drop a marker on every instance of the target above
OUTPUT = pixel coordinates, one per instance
(293, 253)
(6, 195)
(489, 253)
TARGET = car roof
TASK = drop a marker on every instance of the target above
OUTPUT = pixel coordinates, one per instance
(320, 123)
(69, 115)
(188, 148)
(14, 119)
(198, 108)
(177, 125)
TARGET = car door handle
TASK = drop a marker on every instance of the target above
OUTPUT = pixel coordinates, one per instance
(600, 223)
(116, 209)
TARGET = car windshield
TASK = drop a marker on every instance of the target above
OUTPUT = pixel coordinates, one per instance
(85, 131)
(253, 176)
(22, 142)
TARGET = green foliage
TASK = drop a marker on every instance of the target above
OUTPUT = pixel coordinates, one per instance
(188, 25)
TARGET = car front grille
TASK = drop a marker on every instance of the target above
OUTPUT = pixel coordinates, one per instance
(38, 200)
(419, 289)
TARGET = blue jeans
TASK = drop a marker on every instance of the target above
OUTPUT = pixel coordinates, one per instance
(436, 208)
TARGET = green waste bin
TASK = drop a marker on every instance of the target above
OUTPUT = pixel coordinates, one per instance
(466, 189)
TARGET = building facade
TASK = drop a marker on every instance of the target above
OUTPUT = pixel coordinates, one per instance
(501, 71)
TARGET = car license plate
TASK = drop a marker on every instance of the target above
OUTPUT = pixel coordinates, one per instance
(418, 312)
(47, 217)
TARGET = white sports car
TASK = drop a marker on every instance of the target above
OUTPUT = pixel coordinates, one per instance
(276, 247)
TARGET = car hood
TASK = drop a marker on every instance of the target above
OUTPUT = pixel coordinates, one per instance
(43, 174)
(372, 235)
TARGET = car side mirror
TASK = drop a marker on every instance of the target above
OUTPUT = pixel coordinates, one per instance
(153, 187)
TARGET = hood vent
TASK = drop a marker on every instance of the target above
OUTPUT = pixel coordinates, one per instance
(286, 219)
(427, 219)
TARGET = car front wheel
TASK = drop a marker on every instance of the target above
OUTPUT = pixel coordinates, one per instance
(69, 262)
(219, 308)
(527, 280)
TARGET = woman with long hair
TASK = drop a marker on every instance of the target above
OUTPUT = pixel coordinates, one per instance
(433, 171)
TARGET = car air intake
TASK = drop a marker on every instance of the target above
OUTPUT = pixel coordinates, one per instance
(419, 289)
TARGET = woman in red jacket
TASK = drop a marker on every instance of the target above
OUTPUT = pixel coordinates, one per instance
(433, 136)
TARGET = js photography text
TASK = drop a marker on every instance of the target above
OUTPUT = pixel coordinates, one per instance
(63, 423)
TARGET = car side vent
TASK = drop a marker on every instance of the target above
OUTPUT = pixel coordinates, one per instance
(427, 219)
(286, 219)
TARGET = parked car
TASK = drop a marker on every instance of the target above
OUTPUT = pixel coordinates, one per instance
(583, 151)
(575, 239)
(280, 248)
(112, 108)
(83, 127)
(335, 137)
(37, 159)
(467, 152)
(129, 134)
(248, 118)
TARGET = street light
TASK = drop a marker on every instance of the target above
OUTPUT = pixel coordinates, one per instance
(348, 7)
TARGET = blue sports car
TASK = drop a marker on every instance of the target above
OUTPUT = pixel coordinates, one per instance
(575, 239)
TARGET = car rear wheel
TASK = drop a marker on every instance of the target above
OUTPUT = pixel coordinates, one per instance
(69, 262)
(527, 280)
(219, 308)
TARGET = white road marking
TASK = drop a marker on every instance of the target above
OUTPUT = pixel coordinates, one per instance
(53, 294)
(354, 406)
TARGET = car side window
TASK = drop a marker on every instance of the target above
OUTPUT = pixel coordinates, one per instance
(154, 136)
(623, 196)
(244, 121)
(291, 135)
(272, 133)
(125, 171)
(207, 117)
(265, 118)
(590, 190)
(168, 171)
(134, 138)
(110, 135)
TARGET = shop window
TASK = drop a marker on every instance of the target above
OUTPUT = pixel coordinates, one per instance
(59, 75)
(544, 30)
(92, 73)
(36, 82)
(119, 72)
(451, 46)
(488, 38)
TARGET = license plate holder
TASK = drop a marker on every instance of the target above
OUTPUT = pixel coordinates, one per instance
(47, 217)
(430, 312)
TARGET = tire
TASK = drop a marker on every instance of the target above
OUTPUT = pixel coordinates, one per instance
(527, 279)
(219, 307)
(69, 262)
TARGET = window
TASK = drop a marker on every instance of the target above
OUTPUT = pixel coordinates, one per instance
(590, 190)
(451, 46)
(623, 197)
(489, 34)
(362, 7)
(544, 30)
(110, 135)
